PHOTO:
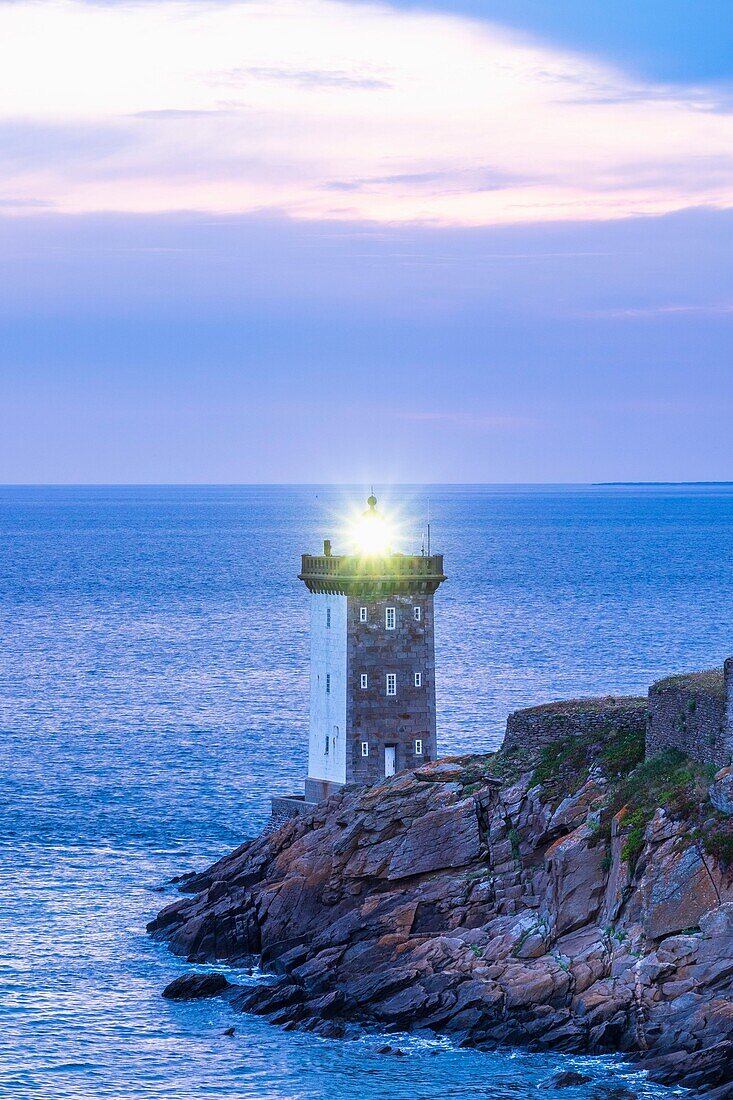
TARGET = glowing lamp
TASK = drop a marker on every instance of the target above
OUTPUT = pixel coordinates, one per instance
(371, 534)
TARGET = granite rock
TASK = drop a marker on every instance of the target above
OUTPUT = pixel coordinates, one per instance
(192, 987)
(445, 901)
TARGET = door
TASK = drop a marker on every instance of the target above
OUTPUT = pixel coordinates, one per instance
(390, 759)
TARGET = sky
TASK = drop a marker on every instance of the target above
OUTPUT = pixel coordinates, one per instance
(339, 241)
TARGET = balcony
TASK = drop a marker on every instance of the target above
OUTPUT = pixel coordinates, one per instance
(350, 575)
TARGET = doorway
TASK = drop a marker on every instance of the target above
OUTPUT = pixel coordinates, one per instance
(390, 759)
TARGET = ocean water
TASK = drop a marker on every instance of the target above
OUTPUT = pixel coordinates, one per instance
(153, 694)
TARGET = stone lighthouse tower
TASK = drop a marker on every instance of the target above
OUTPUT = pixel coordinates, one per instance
(372, 688)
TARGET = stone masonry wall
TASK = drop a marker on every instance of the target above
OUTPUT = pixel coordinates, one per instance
(539, 726)
(375, 717)
(689, 713)
(285, 808)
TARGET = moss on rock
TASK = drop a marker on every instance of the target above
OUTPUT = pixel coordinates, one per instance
(708, 682)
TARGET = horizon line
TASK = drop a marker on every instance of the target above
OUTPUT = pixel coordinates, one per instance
(344, 484)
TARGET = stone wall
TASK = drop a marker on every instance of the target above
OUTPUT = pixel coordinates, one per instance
(539, 726)
(688, 713)
(379, 720)
(285, 807)
(692, 712)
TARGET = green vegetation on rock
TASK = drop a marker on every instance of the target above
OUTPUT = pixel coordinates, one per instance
(672, 782)
(709, 682)
(634, 788)
(622, 752)
(564, 765)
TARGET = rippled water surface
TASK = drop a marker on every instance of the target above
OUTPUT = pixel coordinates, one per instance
(153, 689)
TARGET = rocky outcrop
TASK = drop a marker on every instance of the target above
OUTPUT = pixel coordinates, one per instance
(193, 987)
(491, 903)
(721, 791)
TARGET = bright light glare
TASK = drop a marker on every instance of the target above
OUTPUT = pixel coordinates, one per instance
(371, 534)
(372, 537)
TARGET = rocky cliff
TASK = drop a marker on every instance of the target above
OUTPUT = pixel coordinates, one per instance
(576, 898)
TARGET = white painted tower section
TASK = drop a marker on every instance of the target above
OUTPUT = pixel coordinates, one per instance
(327, 747)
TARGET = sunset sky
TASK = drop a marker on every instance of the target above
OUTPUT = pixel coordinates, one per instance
(305, 240)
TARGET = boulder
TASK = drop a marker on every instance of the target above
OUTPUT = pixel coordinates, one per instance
(413, 905)
(574, 810)
(677, 891)
(440, 771)
(567, 1079)
(442, 839)
(725, 1092)
(192, 987)
(699, 1069)
(577, 884)
(721, 791)
(718, 921)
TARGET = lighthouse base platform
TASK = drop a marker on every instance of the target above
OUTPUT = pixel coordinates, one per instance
(285, 807)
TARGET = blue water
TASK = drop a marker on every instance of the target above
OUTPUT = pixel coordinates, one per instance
(153, 694)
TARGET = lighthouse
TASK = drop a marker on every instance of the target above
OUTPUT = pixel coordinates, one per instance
(372, 667)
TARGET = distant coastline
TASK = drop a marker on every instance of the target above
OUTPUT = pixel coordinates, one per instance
(654, 484)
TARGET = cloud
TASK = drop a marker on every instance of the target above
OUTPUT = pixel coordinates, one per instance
(174, 114)
(715, 99)
(307, 78)
(66, 147)
(27, 204)
(353, 113)
(704, 308)
(478, 179)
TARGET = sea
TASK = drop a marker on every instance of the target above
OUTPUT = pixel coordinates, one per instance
(153, 696)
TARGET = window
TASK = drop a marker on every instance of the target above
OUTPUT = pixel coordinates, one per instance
(328, 683)
(418, 679)
(364, 680)
(325, 751)
(328, 618)
(391, 683)
(363, 614)
(417, 612)
(365, 748)
(418, 748)
(390, 618)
